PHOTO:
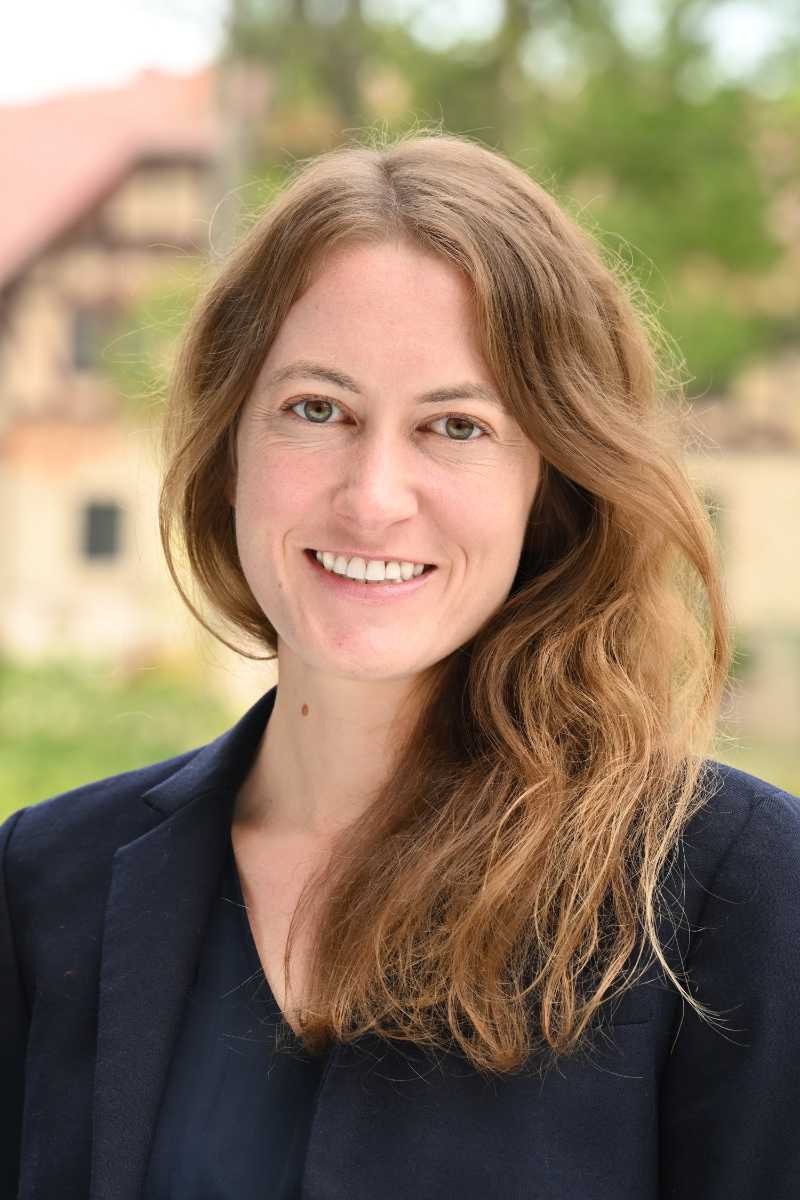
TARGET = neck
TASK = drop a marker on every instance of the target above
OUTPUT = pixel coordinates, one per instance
(329, 743)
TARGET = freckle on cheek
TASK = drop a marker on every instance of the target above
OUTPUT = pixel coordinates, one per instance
(304, 710)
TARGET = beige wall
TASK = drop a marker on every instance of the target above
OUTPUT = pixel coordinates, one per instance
(58, 602)
(758, 494)
(759, 527)
(55, 598)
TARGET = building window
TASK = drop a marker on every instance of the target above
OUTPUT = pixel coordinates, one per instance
(91, 329)
(101, 530)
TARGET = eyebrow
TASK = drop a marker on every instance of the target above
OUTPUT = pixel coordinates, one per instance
(313, 370)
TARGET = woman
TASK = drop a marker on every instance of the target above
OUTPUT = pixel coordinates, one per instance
(541, 945)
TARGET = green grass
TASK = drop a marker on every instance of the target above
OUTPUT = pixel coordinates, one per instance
(64, 724)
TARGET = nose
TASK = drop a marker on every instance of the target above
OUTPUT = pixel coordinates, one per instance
(379, 483)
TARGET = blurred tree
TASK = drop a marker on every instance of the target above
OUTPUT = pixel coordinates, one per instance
(315, 53)
(668, 162)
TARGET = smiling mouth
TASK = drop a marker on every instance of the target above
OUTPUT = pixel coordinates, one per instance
(312, 555)
(369, 557)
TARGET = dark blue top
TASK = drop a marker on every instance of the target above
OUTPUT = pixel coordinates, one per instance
(105, 893)
(235, 1114)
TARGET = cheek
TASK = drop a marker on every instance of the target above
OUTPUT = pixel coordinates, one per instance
(273, 497)
(258, 491)
(263, 476)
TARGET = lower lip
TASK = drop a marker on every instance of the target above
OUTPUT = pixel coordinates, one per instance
(368, 593)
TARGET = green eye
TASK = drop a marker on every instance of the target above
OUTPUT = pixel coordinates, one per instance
(331, 404)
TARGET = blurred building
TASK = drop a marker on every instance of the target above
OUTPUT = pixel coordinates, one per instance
(103, 192)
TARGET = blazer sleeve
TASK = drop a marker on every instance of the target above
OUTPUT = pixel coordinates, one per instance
(730, 1100)
(14, 1019)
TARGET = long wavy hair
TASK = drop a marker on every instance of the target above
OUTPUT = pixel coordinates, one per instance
(508, 878)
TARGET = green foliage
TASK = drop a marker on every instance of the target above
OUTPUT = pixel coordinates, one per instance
(718, 339)
(63, 724)
(682, 175)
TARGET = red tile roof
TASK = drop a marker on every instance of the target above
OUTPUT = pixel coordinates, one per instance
(58, 156)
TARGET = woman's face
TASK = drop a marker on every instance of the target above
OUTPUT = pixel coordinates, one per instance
(363, 463)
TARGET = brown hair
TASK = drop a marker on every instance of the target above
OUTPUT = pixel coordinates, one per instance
(496, 892)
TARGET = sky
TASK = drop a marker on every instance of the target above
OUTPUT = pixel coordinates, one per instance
(97, 43)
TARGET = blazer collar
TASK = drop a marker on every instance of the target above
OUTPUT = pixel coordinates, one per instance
(218, 767)
(162, 888)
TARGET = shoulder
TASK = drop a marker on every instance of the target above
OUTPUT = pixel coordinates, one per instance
(743, 792)
(56, 861)
(75, 834)
(737, 857)
(743, 820)
(733, 890)
(86, 822)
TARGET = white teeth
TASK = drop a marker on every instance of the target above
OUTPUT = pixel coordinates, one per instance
(368, 570)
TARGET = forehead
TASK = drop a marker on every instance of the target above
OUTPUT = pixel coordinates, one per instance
(390, 300)
(401, 260)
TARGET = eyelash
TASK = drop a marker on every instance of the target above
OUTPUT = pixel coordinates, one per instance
(292, 404)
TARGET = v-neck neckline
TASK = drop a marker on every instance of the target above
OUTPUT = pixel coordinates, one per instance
(243, 921)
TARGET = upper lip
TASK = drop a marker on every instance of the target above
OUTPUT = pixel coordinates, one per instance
(373, 554)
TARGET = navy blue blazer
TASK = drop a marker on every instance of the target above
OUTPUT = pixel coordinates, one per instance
(105, 895)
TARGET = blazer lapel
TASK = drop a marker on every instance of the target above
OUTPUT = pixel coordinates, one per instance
(162, 887)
